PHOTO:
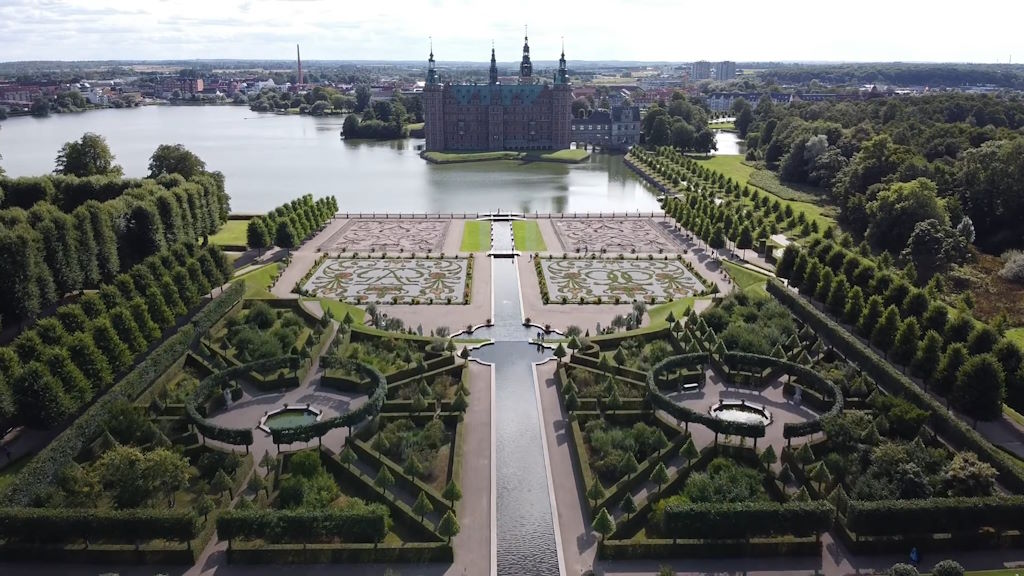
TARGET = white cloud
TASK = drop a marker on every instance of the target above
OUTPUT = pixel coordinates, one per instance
(677, 30)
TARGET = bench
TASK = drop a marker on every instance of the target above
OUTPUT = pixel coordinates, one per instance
(691, 387)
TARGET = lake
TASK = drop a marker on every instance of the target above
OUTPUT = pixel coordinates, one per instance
(270, 159)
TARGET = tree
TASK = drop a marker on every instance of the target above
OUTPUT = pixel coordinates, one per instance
(120, 470)
(967, 476)
(604, 524)
(222, 483)
(948, 568)
(452, 493)
(929, 355)
(895, 212)
(175, 159)
(362, 97)
(560, 352)
(906, 345)
(422, 506)
(819, 473)
(40, 107)
(768, 457)
(257, 236)
(979, 388)
(902, 570)
(660, 475)
(690, 452)
(628, 505)
(661, 132)
(595, 492)
(285, 235)
(204, 505)
(257, 483)
(854, 306)
(884, 335)
(804, 455)
(838, 295)
(350, 127)
(115, 351)
(39, 397)
(449, 526)
(89, 156)
(169, 472)
(744, 116)
(934, 247)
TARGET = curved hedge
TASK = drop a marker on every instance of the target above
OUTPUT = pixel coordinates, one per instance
(747, 519)
(42, 471)
(807, 376)
(367, 523)
(306, 432)
(50, 525)
(215, 384)
(684, 414)
(934, 515)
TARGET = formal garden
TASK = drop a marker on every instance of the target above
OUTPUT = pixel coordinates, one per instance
(870, 457)
(614, 235)
(396, 280)
(611, 281)
(388, 235)
(387, 494)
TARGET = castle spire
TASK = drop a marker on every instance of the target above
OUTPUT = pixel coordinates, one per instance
(431, 70)
(493, 76)
(526, 67)
(562, 76)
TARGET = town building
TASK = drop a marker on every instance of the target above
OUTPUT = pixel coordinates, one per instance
(700, 71)
(725, 71)
(528, 115)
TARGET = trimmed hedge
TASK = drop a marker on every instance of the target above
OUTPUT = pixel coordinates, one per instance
(366, 524)
(747, 519)
(214, 384)
(42, 471)
(49, 525)
(407, 552)
(934, 515)
(890, 379)
(652, 549)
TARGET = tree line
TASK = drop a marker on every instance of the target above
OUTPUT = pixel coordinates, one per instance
(52, 252)
(963, 360)
(56, 367)
(287, 226)
(901, 74)
(899, 162)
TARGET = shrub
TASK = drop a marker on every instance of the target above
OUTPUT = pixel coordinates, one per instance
(1013, 266)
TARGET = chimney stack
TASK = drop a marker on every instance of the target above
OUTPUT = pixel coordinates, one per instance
(298, 56)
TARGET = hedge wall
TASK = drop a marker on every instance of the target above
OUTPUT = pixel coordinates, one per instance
(890, 379)
(50, 525)
(42, 471)
(365, 524)
(407, 552)
(214, 384)
(935, 515)
(747, 519)
(654, 549)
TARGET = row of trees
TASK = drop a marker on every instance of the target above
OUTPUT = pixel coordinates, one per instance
(968, 362)
(55, 368)
(967, 147)
(287, 226)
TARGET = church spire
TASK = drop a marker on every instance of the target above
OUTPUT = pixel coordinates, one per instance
(526, 67)
(493, 77)
(562, 76)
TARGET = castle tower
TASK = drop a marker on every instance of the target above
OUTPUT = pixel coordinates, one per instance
(493, 76)
(561, 106)
(433, 106)
(298, 56)
(526, 67)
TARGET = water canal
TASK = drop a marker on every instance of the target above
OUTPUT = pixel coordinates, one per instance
(525, 525)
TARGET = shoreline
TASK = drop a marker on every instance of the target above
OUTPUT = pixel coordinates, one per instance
(569, 156)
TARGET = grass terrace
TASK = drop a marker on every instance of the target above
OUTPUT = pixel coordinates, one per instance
(259, 280)
(476, 236)
(232, 234)
(528, 237)
(745, 279)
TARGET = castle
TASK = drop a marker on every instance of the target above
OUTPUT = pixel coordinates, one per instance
(524, 116)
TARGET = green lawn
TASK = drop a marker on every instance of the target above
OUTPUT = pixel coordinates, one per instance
(338, 309)
(476, 236)
(732, 166)
(746, 279)
(232, 233)
(679, 308)
(571, 156)
(1005, 572)
(527, 236)
(722, 126)
(257, 282)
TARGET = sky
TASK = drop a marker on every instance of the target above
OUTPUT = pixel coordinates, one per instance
(462, 30)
